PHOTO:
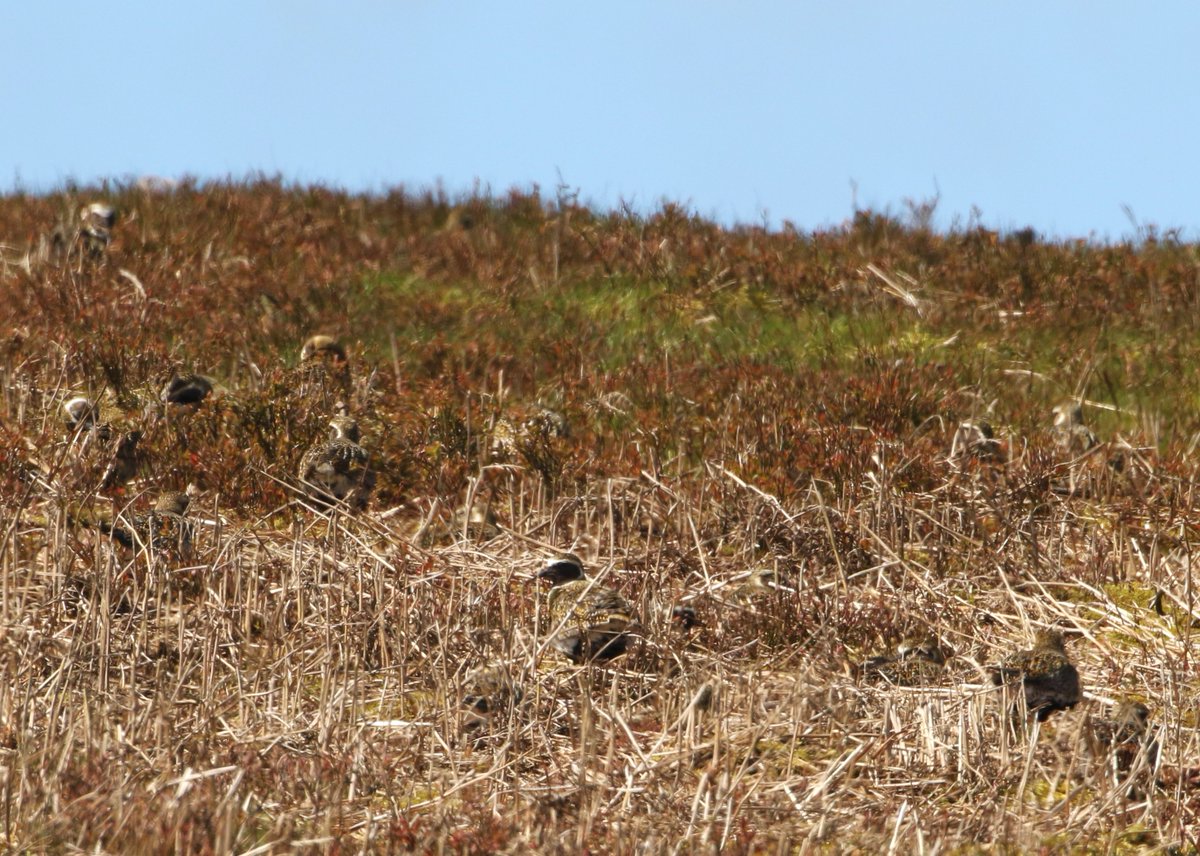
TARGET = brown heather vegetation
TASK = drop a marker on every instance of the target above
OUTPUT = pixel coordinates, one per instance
(737, 399)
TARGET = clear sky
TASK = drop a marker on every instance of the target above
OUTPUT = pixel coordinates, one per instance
(1051, 114)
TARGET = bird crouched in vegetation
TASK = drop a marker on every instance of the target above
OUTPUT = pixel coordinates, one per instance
(1071, 437)
(338, 470)
(91, 232)
(124, 463)
(82, 416)
(324, 366)
(1118, 740)
(186, 389)
(597, 623)
(1049, 681)
(162, 530)
(919, 659)
(975, 441)
(96, 221)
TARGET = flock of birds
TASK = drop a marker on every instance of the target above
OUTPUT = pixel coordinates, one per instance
(590, 622)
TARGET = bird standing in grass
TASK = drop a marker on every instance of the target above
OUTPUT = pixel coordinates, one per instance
(1120, 738)
(82, 416)
(1072, 437)
(163, 530)
(1049, 681)
(338, 470)
(124, 463)
(919, 659)
(597, 622)
(186, 389)
(96, 221)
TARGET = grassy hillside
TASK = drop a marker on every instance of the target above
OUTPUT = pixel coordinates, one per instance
(736, 400)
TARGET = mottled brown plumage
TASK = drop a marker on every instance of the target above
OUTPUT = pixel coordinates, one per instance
(1049, 681)
(597, 622)
(1120, 738)
(163, 529)
(919, 659)
(338, 470)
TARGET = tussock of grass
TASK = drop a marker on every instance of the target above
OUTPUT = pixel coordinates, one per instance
(737, 400)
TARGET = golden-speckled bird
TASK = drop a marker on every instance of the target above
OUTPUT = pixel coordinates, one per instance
(1120, 738)
(489, 693)
(338, 470)
(163, 529)
(1049, 680)
(597, 622)
(322, 347)
(919, 659)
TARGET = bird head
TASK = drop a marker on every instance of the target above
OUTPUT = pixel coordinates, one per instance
(344, 428)
(560, 569)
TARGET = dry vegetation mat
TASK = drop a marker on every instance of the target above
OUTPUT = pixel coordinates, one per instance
(814, 473)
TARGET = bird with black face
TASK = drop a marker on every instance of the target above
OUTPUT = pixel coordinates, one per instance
(1047, 677)
(186, 389)
(920, 658)
(338, 470)
(82, 417)
(162, 530)
(592, 622)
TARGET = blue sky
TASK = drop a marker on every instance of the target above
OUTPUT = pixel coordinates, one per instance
(1056, 115)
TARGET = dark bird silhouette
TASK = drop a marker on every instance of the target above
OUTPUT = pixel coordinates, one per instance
(338, 470)
(186, 389)
(124, 463)
(597, 623)
(1049, 680)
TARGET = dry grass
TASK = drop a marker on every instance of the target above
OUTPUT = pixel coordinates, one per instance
(299, 681)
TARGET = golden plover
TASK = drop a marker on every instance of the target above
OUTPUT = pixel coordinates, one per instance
(597, 622)
(338, 470)
(1049, 681)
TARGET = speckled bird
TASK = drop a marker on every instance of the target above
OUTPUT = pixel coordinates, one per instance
(96, 221)
(163, 529)
(598, 624)
(1049, 680)
(338, 470)
(919, 659)
(1120, 738)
